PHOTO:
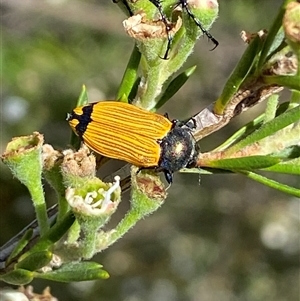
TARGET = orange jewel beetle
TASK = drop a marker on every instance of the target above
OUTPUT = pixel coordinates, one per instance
(125, 132)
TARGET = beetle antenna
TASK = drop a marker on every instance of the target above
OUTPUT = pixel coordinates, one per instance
(185, 6)
(157, 4)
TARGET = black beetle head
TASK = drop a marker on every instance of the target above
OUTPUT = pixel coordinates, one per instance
(178, 150)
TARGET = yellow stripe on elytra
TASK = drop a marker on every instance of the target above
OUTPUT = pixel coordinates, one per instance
(131, 148)
(130, 118)
(125, 132)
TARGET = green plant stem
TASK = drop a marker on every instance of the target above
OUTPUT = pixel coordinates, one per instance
(88, 243)
(160, 72)
(154, 86)
(271, 35)
(141, 206)
(130, 74)
(291, 82)
(238, 75)
(54, 234)
(241, 132)
(42, 218)
(63, 207)
(106, 239)
(271, 183)
(130, 219)
(267, 129)
(175, 85)
(272, 104)
(38, 198)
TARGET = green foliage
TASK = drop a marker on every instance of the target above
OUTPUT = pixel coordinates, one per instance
(75, 271)
(269, 143)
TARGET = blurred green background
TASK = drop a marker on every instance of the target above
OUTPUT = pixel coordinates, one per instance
(226, 239)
